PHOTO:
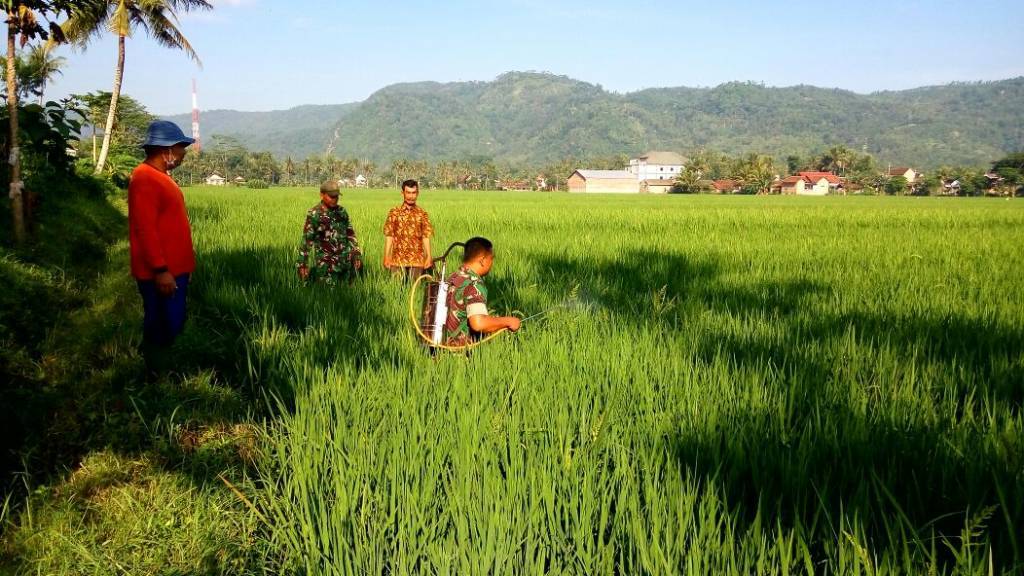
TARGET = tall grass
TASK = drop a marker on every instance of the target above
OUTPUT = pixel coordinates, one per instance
(755, 386)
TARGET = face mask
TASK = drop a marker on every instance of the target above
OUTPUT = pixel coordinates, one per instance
(170, 161)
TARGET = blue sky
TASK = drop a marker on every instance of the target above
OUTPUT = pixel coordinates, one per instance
(274, 54)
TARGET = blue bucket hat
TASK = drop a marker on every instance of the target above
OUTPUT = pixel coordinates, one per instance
(165, 134)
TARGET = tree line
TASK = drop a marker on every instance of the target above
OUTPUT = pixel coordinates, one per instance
(34, 28)
(860, 172)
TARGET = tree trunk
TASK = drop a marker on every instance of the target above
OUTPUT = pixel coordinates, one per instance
(118, 75)
(17, 200)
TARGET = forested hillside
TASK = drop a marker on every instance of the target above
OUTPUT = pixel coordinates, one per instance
(533, 118)
(299, 131)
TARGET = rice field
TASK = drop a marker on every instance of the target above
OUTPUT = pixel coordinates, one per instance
(732, 385)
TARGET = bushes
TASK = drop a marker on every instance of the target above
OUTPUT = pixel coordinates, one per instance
(42, 282)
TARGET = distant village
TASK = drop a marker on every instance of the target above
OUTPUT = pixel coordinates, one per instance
(655, 172)
(659, 172)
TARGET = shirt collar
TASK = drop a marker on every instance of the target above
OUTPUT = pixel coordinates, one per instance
(469, 272)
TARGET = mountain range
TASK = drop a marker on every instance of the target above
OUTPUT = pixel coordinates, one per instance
(540, 118)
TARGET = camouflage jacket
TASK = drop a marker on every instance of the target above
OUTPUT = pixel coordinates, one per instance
(467, 296)
(329, 247)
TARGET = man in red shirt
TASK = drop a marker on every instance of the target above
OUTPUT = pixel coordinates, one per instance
(161, 239)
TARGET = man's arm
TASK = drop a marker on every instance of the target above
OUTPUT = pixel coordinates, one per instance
(428, 233)
(143, 213)
(357, 253)
(142, 208)
(426, 253)
(308, 239)
(488, 324)
(389, 245)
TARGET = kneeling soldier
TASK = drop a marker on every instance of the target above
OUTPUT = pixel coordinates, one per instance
(468, 317)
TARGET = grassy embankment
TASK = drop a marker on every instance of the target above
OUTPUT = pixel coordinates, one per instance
(101, 472)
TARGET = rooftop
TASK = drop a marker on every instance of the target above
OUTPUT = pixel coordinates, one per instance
(662, 157)
(607, 174)
(813, 177)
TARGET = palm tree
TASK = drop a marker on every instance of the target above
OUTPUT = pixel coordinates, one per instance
(757, 170)
(43, 67)
(840, 158)
(14, 17)
(158, 18)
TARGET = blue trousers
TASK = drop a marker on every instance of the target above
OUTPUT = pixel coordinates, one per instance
(164, 317)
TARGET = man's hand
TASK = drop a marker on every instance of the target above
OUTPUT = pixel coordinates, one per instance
(512, 323)
(387, 263)
(358, 263)
(427, 263)
(165, 284)
(303, 272)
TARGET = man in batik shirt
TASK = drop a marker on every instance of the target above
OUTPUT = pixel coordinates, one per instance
(329, 252)
(468, 317)
(407, 233)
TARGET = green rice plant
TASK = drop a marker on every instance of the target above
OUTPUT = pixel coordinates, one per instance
(755, 385)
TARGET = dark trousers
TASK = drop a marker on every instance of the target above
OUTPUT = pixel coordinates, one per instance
(409, 273)
(164, 317)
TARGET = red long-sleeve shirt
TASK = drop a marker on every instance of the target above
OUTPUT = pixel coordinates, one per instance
(159, 232)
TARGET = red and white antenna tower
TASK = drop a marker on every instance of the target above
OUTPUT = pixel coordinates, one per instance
(195, 118)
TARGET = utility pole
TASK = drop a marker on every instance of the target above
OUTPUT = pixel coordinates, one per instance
(195, 118)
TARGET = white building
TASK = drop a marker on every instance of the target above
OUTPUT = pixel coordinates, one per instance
(656, 165)
(361, 181)
(603, 181)
(215, 180)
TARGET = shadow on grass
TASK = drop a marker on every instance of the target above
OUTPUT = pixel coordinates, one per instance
(842, 448)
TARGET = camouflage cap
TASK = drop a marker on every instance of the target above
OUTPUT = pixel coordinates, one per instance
(330, 187)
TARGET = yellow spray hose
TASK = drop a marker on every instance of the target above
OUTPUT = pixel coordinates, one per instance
(416, 323)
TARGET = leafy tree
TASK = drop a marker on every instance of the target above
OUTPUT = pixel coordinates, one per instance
(836, 160)
(1011, 170)
(33, 70)
(756, 171)
(931, 184)
(896, 185)
(25, 18)
(121, 17)
(1014, 160)
(43, 66)
(794, 164)
(689, 180)
(126, 135)
(289, 170)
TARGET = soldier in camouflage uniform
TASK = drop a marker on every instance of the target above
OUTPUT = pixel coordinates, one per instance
(329, 252)
(468, 317)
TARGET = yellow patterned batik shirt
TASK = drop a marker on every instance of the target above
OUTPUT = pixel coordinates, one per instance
(408, 225)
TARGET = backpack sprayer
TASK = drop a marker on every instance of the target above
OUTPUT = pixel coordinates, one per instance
(434, 309)
(430, 323)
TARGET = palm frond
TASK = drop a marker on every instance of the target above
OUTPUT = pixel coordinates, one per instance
(156, 18)
(163, 28)
(86, 22)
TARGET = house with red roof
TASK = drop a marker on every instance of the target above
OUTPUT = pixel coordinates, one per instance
(817, 183)
(726, 186)
(793, 185)
(909, 173)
